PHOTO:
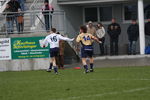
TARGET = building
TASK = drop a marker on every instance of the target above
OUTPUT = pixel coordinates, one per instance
(70, 14)
(79, 12)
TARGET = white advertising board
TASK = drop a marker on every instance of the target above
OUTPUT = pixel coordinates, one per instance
(5, 48)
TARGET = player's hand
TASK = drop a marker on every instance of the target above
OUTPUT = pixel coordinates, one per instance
(72, 39)
(99, 42)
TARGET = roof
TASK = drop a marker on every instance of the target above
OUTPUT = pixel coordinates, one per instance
(70, 2)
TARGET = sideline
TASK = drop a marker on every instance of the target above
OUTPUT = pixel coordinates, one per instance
(103, 94)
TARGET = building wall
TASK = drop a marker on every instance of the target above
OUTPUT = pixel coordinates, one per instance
(74, 16)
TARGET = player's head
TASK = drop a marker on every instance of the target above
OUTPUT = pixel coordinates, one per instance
(83, 29)
(53, 30)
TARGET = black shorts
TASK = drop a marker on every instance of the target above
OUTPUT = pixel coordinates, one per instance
(87, 51)
(54, 52)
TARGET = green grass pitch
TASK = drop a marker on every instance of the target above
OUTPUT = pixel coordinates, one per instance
(117, 83)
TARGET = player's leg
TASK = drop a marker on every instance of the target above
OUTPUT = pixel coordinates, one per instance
(85, 65)
(51, 61)
(54, 65)
(91, 64)
(84, 56)
(55, 55)
(50, 66)
(90, 55)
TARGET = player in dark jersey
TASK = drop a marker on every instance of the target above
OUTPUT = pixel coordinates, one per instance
(86, 40)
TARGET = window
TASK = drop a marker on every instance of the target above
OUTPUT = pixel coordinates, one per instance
(91, 14)
(130, 12)
(147, 11)
(105, 13)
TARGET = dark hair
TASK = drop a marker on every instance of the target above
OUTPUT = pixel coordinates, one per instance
(57, 33)
(46, 1)
(54, 30)
(83, 28)
(101, 24)
(134, 20)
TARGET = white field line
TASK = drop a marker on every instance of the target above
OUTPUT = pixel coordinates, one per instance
(122, 79)
(108, 80)
(109, 93)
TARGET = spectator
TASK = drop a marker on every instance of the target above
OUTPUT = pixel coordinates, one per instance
(147, 31)
(14, 5)
(8, 18)
(90, 28)
(20, 21)
(47, 10)
(133, 34)
(100, 33)
(60, 59)
(22, 3)
(114, 31)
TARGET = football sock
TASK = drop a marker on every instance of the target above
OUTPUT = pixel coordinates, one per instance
(85, 67)
(50, 67)
(91, 66)
(55, 69)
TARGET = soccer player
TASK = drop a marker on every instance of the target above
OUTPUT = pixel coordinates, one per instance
(86, 40)
(53, 39)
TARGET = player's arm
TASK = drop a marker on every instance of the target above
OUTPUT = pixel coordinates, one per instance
(65, 38)
(78, 40)
(96, 39)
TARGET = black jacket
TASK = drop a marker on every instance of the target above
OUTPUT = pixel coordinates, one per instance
(114, 30)
(14, 5)
(8, 14)
(133, 32)
(147, 28)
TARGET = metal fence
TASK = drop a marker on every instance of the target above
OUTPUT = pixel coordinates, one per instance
(37, 4)
(33, 21)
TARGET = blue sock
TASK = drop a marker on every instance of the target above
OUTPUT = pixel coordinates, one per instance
(85, 67)
(55, 69)
(50, 67)
(91, 66)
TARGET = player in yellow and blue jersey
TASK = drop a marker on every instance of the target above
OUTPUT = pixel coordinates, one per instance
(86, 40)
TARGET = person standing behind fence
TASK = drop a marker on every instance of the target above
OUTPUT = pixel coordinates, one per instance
(20, 21)
(47, 10)
(133, 34)
(114, 31)
(14, 5)
(147, 31)
(7, 13)
(100, 33)
(22, 3)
